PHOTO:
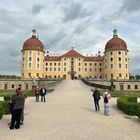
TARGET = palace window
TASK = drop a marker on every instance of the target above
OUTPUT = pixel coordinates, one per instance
(100, 69)
(125, 59)
(50, 64)
(30, 65)
(65, 59)
(37, 74)
(128, 87)
(120, 65)
(95, 69)
(79, 59)
(79, 64)
(46, 69)
(58, 69)
(90, 64)
(111, 59)
(111, 66)
(95, 64)
(37, 66)
(100, 64)
(38, 53)
(58, 64)
(111, 53)
(46, 64)
(54, 69)
(64, 64)
(54, 64)
(119, 59)
(136, 86)
(126, 66)
(79, 69)
(13, 86)
(90, 69)
(85, 64)
(29, 74)
(50, 69)
(30, 58)
(64, 69)
(120, 75)
(85, 69)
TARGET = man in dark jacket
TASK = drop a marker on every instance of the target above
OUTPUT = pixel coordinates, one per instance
(43, 93)
(18, 106)
(96, 96)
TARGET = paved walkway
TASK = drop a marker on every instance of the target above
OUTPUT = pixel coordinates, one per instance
(68, 115)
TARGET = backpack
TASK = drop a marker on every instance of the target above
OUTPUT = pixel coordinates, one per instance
(105, 98)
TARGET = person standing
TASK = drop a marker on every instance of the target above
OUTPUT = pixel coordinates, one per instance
(37, 94)
(106, 98)
(18, 106)
(43, 93)
(96, 97)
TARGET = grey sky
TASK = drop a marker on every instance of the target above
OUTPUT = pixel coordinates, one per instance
(62, 24)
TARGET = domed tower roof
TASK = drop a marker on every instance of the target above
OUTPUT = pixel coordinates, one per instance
(33, 43)
(115, 43)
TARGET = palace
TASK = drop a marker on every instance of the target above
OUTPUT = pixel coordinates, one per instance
(112, 65)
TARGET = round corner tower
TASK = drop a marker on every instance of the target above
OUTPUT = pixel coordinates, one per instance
(33, 57)
(116, 58)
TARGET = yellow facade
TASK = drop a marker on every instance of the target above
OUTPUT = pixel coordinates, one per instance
(112, 65)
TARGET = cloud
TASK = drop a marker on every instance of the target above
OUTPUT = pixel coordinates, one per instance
(36, 8)
(130, 5)
(75, 11)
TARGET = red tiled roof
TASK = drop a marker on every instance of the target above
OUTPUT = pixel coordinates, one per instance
(33, 44)
(93, 58)
(115, 43)
(52, 58)
(72, 53)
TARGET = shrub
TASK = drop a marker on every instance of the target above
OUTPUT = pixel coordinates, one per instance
(129, 105)
(1, 110)
(7, 98)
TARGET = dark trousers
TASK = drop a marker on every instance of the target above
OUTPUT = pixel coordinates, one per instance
(37, 97)
(97, 107)
(43, 98)
(15, 121)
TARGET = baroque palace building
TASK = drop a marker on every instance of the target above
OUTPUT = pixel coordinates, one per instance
(112, 65)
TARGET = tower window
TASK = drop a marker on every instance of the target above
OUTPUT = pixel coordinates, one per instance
(111, 66)
(120, 65)
(111, 59)
(30, 65)
(37, 59)
(119, 52)
(119, 58)
(30, 58)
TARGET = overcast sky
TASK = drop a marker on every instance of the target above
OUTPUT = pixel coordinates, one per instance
(85, 25)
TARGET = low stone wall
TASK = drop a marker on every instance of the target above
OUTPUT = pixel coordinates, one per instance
(26, 84)
(118, 84)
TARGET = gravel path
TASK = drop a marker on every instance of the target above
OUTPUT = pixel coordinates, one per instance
(68, 114)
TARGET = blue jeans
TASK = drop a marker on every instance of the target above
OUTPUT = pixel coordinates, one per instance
(106, 110)
(97, 107)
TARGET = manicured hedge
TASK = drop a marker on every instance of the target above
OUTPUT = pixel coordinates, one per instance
(4, 108)
(129, 105)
